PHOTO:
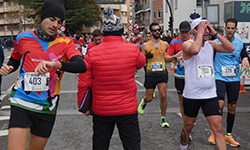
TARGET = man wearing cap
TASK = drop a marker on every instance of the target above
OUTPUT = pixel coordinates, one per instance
(43, 56)
(114, 90)
(174, 52)
(200, 88)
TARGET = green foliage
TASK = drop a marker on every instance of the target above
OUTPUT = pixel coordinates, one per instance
(78, 12)
(217, 28)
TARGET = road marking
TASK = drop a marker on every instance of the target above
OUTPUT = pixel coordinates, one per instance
(4, 118)
(139, 83)
(5, 107)
(179, 114)
(3, 132)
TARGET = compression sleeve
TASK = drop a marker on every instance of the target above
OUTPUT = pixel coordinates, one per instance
(76, 65)
(14, 63)
(244, 52)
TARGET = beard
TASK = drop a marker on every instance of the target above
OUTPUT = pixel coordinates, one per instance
(156, 36)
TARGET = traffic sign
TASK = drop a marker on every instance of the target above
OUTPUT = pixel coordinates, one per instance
(130, 21)
(136, 25)
(130, 27)
(62, 28)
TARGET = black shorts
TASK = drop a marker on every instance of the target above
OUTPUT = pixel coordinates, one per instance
(152, 79)
(179, 85)
(232, 89)
(40, 124)
(210, 107)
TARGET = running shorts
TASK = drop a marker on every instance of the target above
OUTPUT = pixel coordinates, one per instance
(40, 124)
(152, 79)
(210, 107)
(232, 89)
(179, 85)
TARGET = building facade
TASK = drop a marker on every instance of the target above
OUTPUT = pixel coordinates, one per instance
(12, 20)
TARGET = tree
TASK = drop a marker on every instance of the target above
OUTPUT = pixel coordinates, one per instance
(78, 12)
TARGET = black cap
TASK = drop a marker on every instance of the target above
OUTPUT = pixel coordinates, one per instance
(53, 8)
(184, 26)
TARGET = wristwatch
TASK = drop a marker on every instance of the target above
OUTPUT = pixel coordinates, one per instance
(215, 34)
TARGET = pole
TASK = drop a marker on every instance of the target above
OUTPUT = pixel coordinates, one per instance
(151, 11)
(171, 15)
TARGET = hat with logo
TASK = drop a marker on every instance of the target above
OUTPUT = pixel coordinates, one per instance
(184, 26)
(112, 25)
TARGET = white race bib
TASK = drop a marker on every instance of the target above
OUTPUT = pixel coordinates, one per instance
(157, 66)
(228, 71)
(205, 71)
(36, 83)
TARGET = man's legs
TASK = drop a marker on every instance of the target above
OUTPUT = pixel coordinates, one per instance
(103, 129)
(187, 127)
(215, 123)
(146, 99)
(162, 87)
(17, 138)
(37, 142)
(129, 131)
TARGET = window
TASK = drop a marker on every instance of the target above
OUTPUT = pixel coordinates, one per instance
(176, 4)
(199, 2)
(159, 13)
(31, 26)
(154, 15)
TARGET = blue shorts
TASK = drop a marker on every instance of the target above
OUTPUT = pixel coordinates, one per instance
(232, 89)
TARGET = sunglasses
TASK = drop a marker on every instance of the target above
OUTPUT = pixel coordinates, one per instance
(230, 28)
(156, 30)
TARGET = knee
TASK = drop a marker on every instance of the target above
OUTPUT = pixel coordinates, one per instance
(231, 108)
(218, 129)
(148, 99)
(163, 96)
(188, 127)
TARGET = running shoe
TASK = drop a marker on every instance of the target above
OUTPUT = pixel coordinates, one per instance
(211, 138)
(190, 137)
(164, 123)
(231, 141)
(154, 95)
(141, 107)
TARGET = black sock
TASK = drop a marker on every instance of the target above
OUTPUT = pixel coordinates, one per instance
(230, 122)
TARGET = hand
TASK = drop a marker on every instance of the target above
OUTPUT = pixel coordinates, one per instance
(149, 55)
(179, 54)
(87, 113)
(44, 66)
(5, 70)
(210, 28)
(245, 63)
(201, 27)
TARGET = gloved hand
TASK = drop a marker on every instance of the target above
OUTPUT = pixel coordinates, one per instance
(149, 55)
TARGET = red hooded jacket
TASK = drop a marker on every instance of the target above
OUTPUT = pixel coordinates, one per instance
(111, 68)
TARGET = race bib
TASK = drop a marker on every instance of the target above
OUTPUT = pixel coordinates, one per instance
(157, 66)
(205, 71)
(36, 83)
(228, 71)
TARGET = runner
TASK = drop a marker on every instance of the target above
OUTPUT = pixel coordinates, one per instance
(156, 72)
(138, 40)
(43, 56)
(97, 37)
(174, 52)
(79, 41)
(227, 76)
(200, 88)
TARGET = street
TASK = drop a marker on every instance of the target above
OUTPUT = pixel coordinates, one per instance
(73, 130)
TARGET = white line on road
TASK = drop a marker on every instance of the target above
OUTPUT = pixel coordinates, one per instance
(3, 132)
(4, 118)
(5, 107)
(139, 83)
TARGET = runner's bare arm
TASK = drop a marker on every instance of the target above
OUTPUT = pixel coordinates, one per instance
(144, 48)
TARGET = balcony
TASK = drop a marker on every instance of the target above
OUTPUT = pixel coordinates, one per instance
(138, 8)
(140, 22)
(147, 6)
(146, 22)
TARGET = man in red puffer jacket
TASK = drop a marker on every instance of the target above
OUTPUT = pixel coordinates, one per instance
(111, 70)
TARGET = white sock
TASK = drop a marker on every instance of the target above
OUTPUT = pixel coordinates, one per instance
(184, 147)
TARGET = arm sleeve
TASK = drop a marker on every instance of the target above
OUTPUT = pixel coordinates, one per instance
(75, 65)
(14, 63)
(170, 50)
(244, 52)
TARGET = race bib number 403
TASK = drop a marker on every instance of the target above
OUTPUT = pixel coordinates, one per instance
(36, 83)
(205, 71)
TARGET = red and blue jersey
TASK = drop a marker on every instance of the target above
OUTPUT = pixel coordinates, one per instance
(30, 50)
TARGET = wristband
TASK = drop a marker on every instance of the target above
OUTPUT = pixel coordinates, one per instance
(57, 65)
(216, 34)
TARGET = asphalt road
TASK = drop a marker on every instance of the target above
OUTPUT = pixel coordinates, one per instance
(73, 130)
